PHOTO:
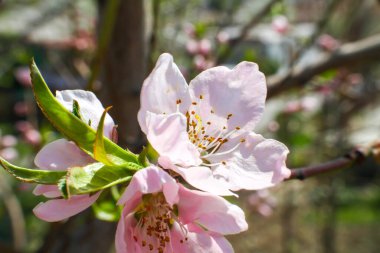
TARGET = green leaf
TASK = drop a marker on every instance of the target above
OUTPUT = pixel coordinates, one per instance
(69, 124)
(32, 175)
(95, 177)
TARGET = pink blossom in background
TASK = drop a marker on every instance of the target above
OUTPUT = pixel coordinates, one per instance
(201, 63)
(327, 42)
(8, 140)
(63, 154)
(192, 46)
(280, 24)
(205, 46)
(203, 131)
(189, 29)
(223, 37)
(161, 215)
(307, 104)
(262, 202)
(21, 108)
(22, 75)
(9, 153)
(29, 133)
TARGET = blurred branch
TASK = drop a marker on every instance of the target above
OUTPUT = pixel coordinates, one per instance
(355, 156)
(320, 27)
(153, 36)
(347, 55)
(6, 249)
(244, 32)
(15, 213)
(105, 35)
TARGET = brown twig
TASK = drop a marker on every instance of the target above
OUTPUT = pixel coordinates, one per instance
(347, 55)
(244, 32)
(345, 161)
(154, 34)
(320, 26)
(105, 35)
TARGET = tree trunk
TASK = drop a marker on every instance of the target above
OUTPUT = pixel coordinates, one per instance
(124, 69)
(122, 73)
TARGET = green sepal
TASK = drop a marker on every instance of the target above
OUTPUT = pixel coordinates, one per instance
(143, 159)
(69, 124)
(95, 177)
(100, 153)
(151, 154)
(76, 109)
(33, 175)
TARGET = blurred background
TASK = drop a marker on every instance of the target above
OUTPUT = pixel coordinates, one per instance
(321, 59)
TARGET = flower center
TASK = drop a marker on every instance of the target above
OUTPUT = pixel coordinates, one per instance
(208, 138)
(155, 219)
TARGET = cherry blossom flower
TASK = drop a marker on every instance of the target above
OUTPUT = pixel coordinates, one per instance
(280, 24)
(63, 154)
(203, 131)
(161, 215)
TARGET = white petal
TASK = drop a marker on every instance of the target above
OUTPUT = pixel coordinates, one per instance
(91, 108)
(258, 163)
(162, 89)
(168, 136)
(238, 94)
(60, 155)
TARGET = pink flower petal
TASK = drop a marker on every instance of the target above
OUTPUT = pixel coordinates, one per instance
(60, 209)
(237, 94)
(169, 137)
(91, 108)
(162, 89)
(49, 191)
(198, 241)
(258, 163)
(124, 241)
(149, 180)
(60, 155)
(200, 177)
(211, 211)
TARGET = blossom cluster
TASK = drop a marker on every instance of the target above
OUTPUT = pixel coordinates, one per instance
(202, 135)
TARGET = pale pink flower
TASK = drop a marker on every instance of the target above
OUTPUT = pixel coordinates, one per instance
(201, 63)
(9, 153)
(161, 215)
(192, 46)
(8, 140)
(203, 131)
(280, 24)
(223, 37)
(262, 202)
(63, 154)
(22, 75)
(327, 42)
(205, 46)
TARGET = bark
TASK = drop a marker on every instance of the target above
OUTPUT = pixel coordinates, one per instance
(122, 69)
